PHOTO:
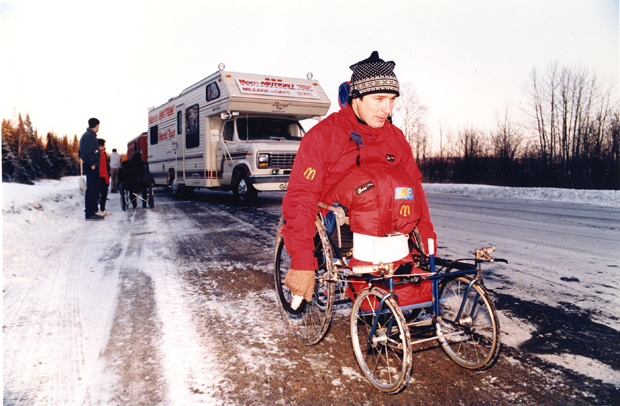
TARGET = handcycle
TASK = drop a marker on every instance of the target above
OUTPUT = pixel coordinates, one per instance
(461, 315)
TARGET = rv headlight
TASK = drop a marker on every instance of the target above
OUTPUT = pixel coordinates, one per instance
(262, 160)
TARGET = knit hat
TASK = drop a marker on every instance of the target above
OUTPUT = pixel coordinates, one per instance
(373, 75)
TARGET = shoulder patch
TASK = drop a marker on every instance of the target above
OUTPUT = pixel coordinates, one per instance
(364, 188)
(309, 173)
(403, 193)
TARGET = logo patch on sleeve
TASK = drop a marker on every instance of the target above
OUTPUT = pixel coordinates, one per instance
(364, 188)
(405, 210)
(403, 193)
(309, 173)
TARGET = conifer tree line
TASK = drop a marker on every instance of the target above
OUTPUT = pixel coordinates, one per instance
(27, 157)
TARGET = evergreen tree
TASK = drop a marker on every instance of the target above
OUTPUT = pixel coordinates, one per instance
(8, 135)
(8, 165)
(59, 164)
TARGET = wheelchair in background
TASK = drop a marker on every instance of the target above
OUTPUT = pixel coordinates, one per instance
(135, 183)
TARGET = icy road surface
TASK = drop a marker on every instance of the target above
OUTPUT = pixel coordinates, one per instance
(175, 306)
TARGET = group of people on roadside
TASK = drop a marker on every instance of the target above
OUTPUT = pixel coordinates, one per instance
(99, 169)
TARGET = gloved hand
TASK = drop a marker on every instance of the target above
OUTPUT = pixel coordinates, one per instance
(301, 284)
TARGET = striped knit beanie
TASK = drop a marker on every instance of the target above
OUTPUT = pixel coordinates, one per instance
(373, 75)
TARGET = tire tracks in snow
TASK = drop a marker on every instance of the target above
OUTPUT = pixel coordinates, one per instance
(43, 348)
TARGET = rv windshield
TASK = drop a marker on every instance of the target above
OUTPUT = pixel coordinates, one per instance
(262, 128)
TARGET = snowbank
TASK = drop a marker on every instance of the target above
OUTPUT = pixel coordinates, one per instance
(64, 194)
(594, 197)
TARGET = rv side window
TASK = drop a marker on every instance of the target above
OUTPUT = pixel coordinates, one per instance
(154, 135)
(192, 127)
(229, 130)
(179, 122)
(213, 91)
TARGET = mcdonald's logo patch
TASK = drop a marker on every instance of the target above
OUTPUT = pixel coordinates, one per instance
(403, 193)
(309, 173)
(405, 210)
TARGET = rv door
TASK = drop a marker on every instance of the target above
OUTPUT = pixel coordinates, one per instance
(178, 146)
(224, 158)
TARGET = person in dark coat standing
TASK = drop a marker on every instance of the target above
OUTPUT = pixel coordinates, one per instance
(90, 156)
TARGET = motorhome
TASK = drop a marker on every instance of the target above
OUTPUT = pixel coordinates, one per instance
(234, 131)
(138, 144)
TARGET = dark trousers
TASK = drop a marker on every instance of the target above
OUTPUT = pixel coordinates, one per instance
(114, 179)
(104, 193)
(92, 190)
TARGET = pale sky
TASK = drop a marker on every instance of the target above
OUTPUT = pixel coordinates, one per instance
(64, 62)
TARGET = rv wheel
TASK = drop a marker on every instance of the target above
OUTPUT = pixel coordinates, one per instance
(242, 189)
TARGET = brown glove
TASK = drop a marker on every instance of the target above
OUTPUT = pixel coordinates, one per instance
(301, 283)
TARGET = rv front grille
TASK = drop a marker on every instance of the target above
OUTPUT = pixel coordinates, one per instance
(282, 160)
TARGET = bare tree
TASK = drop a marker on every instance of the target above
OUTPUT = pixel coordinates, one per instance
(506, 138)
(471, 143)
(542, 93)
(413, 114)
(571, 112)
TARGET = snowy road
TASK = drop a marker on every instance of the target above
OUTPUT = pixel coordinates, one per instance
(175, 306)
(558, 252)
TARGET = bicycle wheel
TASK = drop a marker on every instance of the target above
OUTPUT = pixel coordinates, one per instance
(471, 337)
(310, 321)
(385, 357)
(123, 197)
(150, 197)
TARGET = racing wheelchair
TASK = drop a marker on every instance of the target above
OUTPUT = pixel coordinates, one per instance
(385, 315)
(135, 182)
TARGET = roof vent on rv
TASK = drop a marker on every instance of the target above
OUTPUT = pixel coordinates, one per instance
(309, 75)
(221, 66)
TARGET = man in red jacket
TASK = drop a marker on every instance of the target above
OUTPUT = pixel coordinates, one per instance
(359, 136)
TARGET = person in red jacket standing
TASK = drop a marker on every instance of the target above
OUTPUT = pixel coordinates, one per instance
(359, 136)
(104, 178)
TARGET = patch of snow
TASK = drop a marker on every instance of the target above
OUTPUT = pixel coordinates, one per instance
(585, 366)
(609, 198)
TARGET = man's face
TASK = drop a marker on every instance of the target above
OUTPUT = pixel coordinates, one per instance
(96, 129)
(374, 109)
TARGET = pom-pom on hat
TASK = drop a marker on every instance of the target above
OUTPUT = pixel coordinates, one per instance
(373, 75)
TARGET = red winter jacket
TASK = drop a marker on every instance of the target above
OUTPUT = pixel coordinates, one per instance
(328, 155)
(103, 166)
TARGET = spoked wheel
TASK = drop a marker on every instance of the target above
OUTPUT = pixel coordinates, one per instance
(469, 336)
(383, 353)
(123, 197)
(311, 320)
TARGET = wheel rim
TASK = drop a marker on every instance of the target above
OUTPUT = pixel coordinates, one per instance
(310, 321)
(242, 189)
(121, 193)
(472, 340)
(385, 357)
